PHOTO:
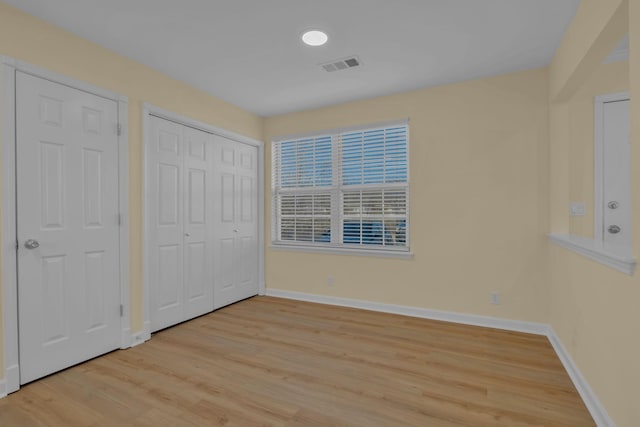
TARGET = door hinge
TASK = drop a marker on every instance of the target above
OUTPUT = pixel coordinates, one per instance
(17, 244)
(119, 219)
(119, 129)
(121, 310)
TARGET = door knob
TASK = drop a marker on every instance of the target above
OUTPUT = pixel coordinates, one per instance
(187, 234)
(31, 244)
(613, 205)
(614, 229)
(235, 230)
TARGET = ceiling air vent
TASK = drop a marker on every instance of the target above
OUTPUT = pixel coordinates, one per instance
(341, 64)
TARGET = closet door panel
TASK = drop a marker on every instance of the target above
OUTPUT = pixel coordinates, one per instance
(247, 221)
(198, 202)
(236, 251)
(166, 222)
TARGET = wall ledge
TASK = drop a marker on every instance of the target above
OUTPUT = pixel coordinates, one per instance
(591, 401)
(616, 258)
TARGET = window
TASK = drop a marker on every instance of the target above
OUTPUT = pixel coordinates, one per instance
(346, 189)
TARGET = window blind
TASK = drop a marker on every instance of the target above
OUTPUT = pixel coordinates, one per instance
(344, 189)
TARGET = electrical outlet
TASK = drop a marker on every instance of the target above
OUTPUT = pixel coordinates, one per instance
(495, 298)
(330, 281)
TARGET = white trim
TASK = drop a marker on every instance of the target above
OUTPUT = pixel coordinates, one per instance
(330, 132)
(598, 160)
(141, 336)
(616, 258)
(183, 120)
(8, 206)
(60, 78)
(590, 399)
(151, 110)
(10, 382)
(9, 66)
(261, 216)
(425, 313)
(12, 377)
(123, 205)
(146, 296)
(381, 253)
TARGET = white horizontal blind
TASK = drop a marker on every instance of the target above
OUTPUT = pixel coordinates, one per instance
(347, 189)
(305, 217)
(377, 156)
(302, 177)
(303, 163)
(374, 186)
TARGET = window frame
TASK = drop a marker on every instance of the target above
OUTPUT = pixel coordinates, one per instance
(336, 191)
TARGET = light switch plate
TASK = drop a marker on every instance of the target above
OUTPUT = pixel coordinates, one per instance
(576, 209)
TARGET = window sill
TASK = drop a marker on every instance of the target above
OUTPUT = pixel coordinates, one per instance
(614, 257)
(380, 253)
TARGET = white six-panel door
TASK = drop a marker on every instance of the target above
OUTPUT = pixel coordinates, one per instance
(179, 182)
(67, 226)
(236, 216)
(199, 226)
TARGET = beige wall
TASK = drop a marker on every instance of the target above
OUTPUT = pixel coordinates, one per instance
(478, 201)
(596, 29)
(26, 38)
(594, 309)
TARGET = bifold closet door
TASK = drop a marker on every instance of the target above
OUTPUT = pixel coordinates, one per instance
(180, 226)
(236, 216)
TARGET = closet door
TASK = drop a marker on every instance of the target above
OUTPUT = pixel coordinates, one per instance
(236, 250)
(180, 226)
(165, 221)
(198, 223)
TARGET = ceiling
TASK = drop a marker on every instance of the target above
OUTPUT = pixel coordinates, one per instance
(249, 52)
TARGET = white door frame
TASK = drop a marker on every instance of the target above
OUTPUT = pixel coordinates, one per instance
(598, 160)
(149, 110)
(8, 263)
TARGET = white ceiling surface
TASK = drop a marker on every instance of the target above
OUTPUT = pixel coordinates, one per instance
(249, 52)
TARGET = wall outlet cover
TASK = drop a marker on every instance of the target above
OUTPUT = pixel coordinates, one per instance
(576, 209)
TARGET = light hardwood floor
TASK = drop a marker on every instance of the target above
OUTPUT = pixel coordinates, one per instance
(274, 362)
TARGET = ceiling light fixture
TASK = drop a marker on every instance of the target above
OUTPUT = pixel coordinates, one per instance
(315, 38)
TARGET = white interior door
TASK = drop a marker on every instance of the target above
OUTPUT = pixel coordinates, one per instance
(616, 174)
(165, 218)
(67, 226)
(236, 252)
(180, 225)
(198, 209)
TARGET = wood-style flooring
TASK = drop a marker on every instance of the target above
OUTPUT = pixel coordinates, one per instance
(275, 362)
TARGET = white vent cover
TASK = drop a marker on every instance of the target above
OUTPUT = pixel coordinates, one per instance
(341, 64)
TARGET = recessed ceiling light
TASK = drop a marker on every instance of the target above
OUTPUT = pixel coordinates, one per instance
(315, 38)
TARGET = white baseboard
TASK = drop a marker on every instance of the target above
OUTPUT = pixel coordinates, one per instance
(12, 378)
(591, 401)
(425, 313)
(10, 382)
(142, 336)
(593, 404)
(125, 338)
